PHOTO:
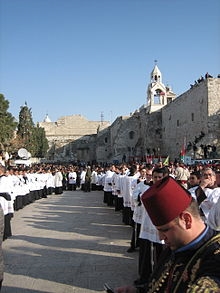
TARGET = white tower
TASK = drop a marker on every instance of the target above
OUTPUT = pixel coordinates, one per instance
(158, 95)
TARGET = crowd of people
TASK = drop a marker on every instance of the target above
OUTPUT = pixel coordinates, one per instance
(151, 223)
(124, 187)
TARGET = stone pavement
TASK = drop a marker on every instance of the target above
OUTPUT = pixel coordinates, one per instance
(70, 243)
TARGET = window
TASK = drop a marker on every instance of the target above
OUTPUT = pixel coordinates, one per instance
(178, 123)
(192, 116)
(106, 139)
(131, 134)
(157, 99)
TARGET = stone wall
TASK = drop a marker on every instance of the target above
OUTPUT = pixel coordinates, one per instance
(192, 119)
(75, 125)
(194, 112)
(125, 133)
(151, 132)
(71, 138)
(134, 136)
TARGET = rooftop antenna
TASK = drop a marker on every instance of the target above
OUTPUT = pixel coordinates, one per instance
(102, 117)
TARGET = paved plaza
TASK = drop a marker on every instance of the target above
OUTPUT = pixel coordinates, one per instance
(69, 243)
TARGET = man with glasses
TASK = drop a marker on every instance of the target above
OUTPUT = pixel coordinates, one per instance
(207, 193)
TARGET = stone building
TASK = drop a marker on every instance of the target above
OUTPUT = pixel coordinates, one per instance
(140, 134)
(159, 128)
(72, 138)
(193, 120)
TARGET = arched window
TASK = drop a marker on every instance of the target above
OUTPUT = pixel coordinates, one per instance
(157, 97)
(131, 134)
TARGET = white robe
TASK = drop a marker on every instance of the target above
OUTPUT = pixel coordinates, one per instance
(212, 196)
(148, 230)
(214, 216)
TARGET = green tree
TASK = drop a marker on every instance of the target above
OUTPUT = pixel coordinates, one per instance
(26, 129)
(33, 138)
(8, 123)
(40, 142)
(25, 126)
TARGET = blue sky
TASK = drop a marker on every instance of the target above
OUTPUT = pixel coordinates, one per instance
(66, 57)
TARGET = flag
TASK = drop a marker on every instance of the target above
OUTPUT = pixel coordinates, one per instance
(183, 151)
(149, 159)
(166, 161)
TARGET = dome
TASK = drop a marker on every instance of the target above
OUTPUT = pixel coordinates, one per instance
(47, 119)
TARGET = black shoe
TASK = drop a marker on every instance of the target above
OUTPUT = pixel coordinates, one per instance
(131, 249)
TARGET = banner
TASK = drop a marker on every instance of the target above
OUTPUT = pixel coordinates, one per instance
(183, 151)
(166, 161)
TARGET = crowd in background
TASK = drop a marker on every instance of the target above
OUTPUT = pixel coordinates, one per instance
(21, 185)
(122, 186)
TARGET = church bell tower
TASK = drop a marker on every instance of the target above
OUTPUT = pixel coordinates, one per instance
(158, 95)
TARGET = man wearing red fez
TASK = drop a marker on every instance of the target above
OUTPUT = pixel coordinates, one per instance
(191, 260)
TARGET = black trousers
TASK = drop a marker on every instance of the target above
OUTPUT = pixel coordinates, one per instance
(127, 216)
(107, 195)
(72, 187)
(7, 226)
(136, 227)
(59, 190)
(149, 253)
(87, 186)
(118, 203)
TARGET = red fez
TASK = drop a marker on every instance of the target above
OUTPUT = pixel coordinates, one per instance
(165, 200)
